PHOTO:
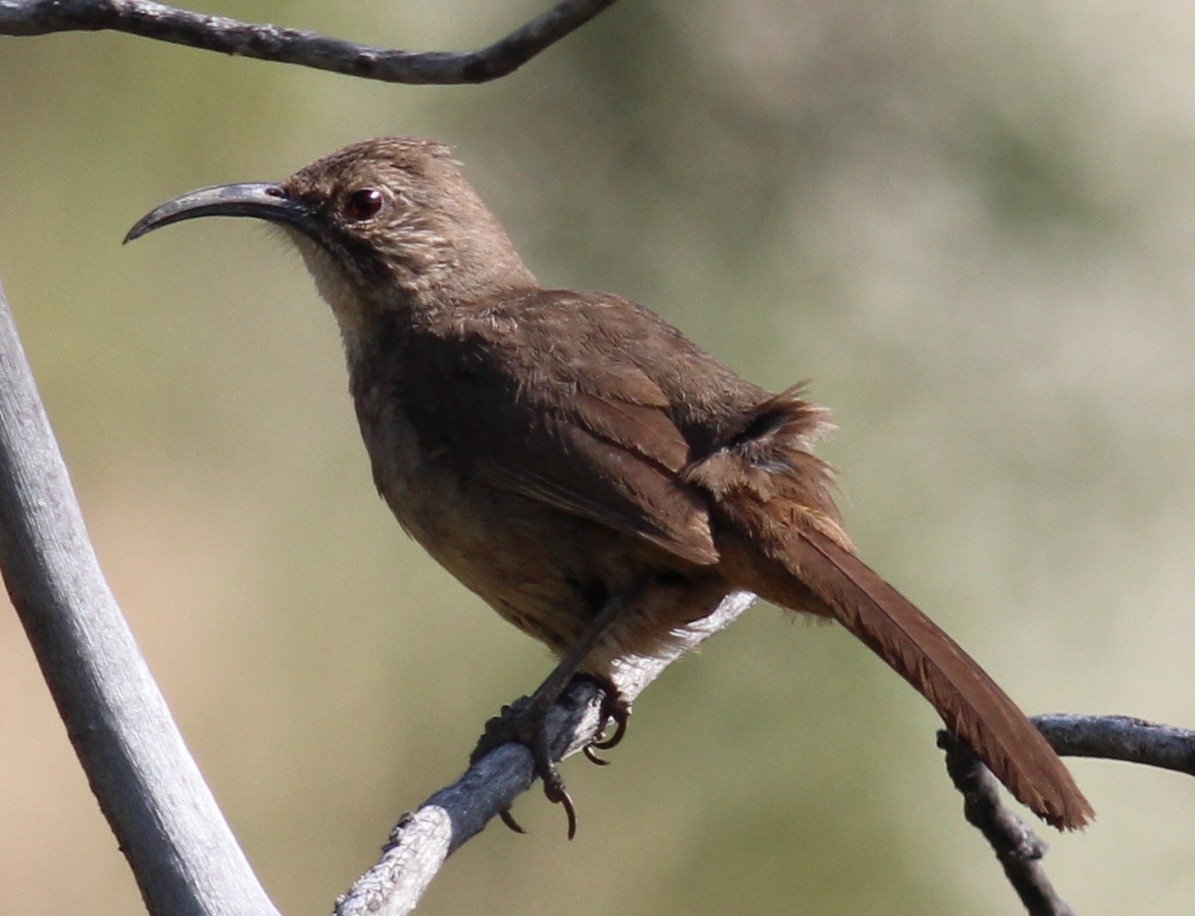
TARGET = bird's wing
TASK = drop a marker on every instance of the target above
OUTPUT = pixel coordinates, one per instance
(573, 422)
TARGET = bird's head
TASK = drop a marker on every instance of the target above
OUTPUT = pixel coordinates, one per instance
(383, 225)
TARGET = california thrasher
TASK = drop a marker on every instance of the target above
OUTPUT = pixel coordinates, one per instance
(573, 459)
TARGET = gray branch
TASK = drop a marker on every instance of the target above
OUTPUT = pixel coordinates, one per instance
(181, 850)
(1120, 738)
(297, 46)
(1017, 847)
(421, 841)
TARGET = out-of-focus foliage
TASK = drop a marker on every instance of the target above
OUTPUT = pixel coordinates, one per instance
(970, 224)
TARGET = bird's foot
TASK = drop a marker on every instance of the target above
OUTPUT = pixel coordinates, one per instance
(525, 722)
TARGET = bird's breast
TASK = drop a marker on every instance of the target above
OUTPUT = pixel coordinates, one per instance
(420, 484)
(467, 527)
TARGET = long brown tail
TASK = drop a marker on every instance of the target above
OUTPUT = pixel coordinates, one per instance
(970, 703)
(781, 538)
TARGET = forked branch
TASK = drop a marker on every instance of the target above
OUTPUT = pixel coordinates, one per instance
(1019, 850)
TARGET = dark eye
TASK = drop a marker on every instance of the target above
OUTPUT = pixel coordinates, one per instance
(363, 204)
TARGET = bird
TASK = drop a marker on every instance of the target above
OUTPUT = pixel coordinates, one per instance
(593, 475)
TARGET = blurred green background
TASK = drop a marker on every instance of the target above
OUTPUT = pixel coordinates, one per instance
(970, 225)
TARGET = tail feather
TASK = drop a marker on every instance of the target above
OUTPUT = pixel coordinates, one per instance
(972, 705)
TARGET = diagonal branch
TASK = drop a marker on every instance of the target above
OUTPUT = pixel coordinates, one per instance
(1019, 850)
(420, 843)
(297, 46)
(180, 849)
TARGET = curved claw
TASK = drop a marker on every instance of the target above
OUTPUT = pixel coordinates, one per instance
(556, 793)
(509, 820)
(592, 756)
(614, 709)
(620, 729)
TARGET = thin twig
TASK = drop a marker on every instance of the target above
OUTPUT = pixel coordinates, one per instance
(181, 850)
(1018, 849)
(1120, 738)
(297, 46)
(422, 841)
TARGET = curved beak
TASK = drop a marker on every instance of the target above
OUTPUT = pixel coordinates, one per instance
(256, 199)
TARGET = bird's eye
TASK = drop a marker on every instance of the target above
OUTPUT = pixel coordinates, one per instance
(363, 204)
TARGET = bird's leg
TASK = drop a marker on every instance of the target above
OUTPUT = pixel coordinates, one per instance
(525, 720)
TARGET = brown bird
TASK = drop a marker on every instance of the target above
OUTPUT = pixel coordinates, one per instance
(576, 461)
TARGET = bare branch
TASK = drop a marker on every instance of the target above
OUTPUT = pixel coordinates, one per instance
(181, 850)
(1017, 847)
(1120, 738)
(422, 841)
(297, 46)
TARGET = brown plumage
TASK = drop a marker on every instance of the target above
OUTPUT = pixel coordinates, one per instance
(562, 453)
